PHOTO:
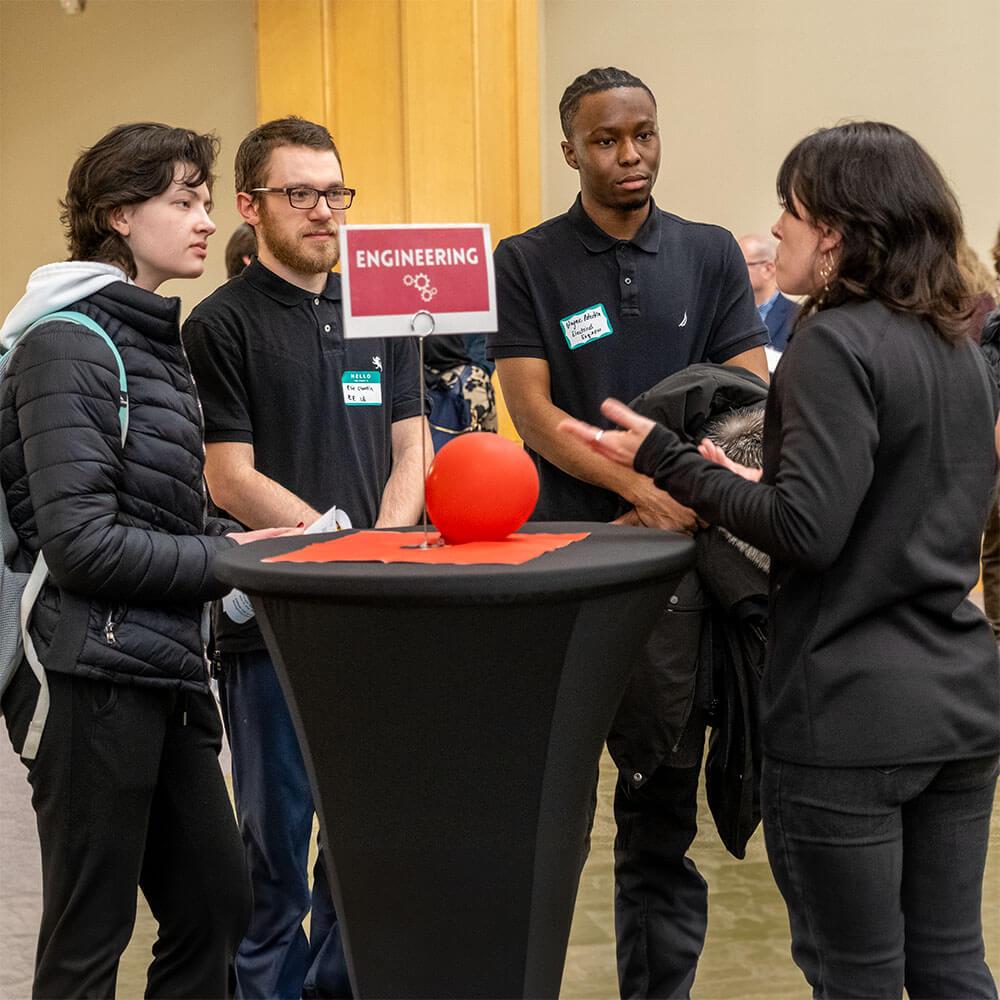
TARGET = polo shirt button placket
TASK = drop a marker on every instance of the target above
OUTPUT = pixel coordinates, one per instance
(626, 267)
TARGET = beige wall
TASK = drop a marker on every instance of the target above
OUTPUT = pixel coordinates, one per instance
(740, 81)
(65, 80)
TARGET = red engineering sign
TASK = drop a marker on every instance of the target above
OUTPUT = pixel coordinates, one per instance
(392, 273)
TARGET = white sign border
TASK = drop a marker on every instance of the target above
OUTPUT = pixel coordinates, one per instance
(400, 324)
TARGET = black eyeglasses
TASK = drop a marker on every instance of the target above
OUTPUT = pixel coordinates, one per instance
(307, 198)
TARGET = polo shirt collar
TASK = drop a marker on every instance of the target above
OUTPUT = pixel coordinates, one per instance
(596, 240)
(284, 291)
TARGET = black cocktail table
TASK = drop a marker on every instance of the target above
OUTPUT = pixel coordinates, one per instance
(452, 719)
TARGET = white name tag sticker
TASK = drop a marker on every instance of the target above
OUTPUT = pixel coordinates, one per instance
(362, 388)
(586, 326)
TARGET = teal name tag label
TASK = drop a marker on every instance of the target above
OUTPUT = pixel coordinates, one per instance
(586, 326)
(362, 388)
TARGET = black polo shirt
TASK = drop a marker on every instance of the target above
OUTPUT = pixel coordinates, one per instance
(273, 370)
(614, 317)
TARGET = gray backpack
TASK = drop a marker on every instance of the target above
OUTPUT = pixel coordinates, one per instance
(19, 591)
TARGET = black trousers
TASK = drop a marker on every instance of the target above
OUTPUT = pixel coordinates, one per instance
(661, 900)
(128, 794)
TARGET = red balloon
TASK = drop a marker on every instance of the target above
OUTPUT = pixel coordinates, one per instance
(480, 488)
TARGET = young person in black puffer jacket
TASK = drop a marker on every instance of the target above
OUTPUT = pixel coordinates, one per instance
(126, 783)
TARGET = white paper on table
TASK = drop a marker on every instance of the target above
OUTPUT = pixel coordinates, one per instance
(237, 605)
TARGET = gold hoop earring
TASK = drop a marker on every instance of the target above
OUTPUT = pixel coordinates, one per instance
(826, 270)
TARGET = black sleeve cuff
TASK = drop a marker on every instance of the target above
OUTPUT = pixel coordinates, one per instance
(659, 442)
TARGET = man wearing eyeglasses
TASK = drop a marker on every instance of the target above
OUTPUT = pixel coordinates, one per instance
(284, 441)
(777, 312)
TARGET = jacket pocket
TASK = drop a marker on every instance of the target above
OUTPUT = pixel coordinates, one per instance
(103, 695)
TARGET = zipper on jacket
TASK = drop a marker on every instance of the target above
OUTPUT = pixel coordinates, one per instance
(112, 621)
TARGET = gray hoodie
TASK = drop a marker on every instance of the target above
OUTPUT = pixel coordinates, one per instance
(55, 286)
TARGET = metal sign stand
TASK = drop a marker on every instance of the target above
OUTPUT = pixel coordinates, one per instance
(421, 335)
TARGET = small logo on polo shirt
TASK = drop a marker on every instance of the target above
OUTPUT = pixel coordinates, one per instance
(376, 362)
(586, 326)
(684, 322)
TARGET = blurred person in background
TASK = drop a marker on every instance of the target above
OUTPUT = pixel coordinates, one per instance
(458, 385)
(776, 310)
(240, 249)
(984, 287)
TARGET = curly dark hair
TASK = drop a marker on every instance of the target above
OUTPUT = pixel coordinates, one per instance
(593, 82)
(899, 221)
(131, 164)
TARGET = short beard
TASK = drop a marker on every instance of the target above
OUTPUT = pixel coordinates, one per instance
(634, 205)
(293, 253)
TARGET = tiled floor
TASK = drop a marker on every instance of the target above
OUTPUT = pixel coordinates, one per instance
(746, 956)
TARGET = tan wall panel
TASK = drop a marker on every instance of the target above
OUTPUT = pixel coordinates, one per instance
(526, 72)
(290, 59)
(366, 94)
(66, 80)
(495, 46)
(439, 116)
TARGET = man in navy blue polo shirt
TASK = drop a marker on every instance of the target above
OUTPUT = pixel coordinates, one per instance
(607, 300)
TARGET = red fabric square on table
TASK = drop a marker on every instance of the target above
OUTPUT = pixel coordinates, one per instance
(403, 547)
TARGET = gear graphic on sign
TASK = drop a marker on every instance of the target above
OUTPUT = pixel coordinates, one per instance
(422, 283)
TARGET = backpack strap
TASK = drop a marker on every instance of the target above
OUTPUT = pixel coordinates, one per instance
(32, 589)
(40, 571)
(81, 319)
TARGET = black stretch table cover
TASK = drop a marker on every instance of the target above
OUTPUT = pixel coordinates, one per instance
(452, 720)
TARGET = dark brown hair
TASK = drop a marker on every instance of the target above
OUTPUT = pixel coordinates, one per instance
(131, 164)
(243, 243)
(252, 156)
(593, 82)
(996, 255)
(899, 220)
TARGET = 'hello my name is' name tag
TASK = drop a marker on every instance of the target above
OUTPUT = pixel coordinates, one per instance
(586, 326)
(362, 388)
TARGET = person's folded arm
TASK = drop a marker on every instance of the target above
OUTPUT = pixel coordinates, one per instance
(829, 439)
(66, 396)
(525, 382)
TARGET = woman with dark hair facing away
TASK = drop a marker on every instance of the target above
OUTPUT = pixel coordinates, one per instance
(881, 692)
(101, 469)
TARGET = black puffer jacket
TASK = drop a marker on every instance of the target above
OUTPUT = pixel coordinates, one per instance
(129, 552)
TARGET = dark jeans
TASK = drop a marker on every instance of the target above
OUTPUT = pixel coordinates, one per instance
(661, 900)
(128, 794)
(882, 873)
(275, 808)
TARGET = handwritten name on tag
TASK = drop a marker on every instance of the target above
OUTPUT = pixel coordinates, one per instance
(362, 388)
(586, 326)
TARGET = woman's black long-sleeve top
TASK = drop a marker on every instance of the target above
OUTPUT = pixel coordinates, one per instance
(878, 467)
